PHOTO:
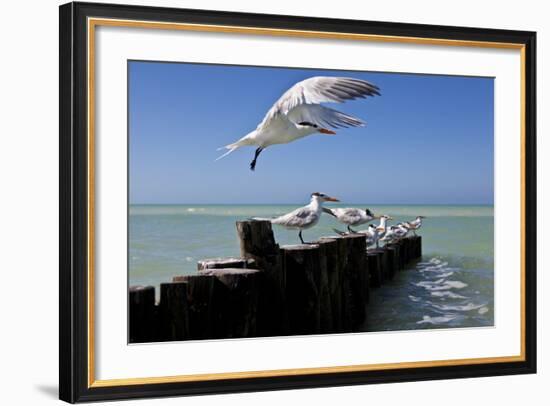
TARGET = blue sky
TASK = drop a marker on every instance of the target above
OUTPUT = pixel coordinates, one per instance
(428, 139)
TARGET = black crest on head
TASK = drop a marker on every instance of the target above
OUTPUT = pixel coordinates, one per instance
(369, 213)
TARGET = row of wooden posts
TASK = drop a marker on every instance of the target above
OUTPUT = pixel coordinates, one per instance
(270, 290)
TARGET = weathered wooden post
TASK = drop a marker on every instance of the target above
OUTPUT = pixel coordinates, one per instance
(336, 257)
(405, 254)
(383, 259)
(142, 311)
(257, 244)
(345, 315)
(201, 313)
(235, 302)
(355, 274)
(329, 284)
(396, 247)
(418, 252)
(375, 274)
(174, 316)
(391, 261)
(303, 267)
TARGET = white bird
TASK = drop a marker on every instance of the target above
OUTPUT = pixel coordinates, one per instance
(298, 113)
(415, 224)
(304, 217)
(395, 233)
(351, 216)
(382, 227)
(371, 234)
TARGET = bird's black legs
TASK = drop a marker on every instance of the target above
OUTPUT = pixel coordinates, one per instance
(300, 235)
(256, 155)
(351, 230)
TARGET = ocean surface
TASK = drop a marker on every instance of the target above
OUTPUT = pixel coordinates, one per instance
(451, 286)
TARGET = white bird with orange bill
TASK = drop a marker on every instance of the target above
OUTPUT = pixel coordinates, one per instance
(298, 113)
(303, 217)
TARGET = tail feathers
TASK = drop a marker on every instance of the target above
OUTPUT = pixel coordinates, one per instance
(230, 148)
(248, 139)
(261, 219)
(329, 211)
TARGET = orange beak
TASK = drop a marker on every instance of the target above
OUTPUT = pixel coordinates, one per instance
(325, 131)
(331, 199)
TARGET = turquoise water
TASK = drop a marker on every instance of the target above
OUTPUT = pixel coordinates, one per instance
(452, 286)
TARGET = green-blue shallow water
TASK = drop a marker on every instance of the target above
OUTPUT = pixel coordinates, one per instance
(452, 286)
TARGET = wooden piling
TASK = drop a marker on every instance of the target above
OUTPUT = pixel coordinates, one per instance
(375, 273)
(257, 244)
(329, 285)
(174, 314)
(142, 314)
(335, 261)
(355, 273)
(314, 288)
(384, 265)
(200, 294)
(345, 322)
(235, 304)
(418, 250)
(396, 247)
(303, 267)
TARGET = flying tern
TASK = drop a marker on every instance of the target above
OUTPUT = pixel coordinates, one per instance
(298, 113)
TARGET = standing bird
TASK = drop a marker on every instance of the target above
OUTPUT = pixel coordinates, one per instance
(351, 216)
(371, 233)
(395, 233)
(298, 113)
(304, 217)
(382, 227)
(415, 224)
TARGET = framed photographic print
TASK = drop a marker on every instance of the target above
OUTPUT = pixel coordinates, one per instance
(257, 202)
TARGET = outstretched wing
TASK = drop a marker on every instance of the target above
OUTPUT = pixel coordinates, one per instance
(322, 117)
(320, 89)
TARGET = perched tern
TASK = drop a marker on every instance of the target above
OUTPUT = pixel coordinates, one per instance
(415, 224)
(351, 216)
(382, 227)
(395, 233)
(298, 113)
(371, 233)
(303, 217)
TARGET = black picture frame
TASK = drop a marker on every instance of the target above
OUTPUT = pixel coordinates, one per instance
(73, 378)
